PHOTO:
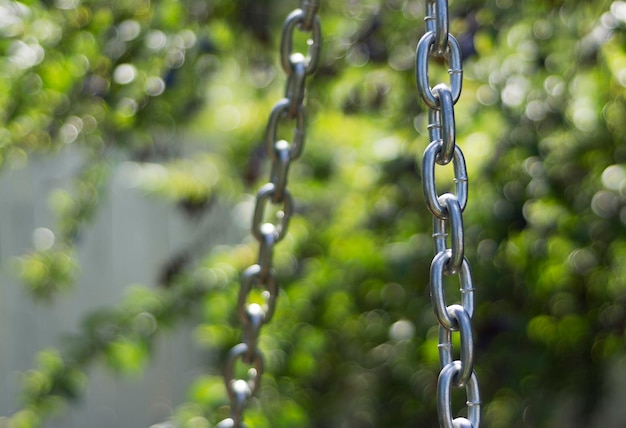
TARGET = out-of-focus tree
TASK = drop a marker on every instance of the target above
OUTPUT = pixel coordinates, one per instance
(354, 340)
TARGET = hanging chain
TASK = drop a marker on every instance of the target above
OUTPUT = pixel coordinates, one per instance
(289, 110)
(447, 210)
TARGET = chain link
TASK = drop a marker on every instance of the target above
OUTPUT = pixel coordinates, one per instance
(298, 66)
(447, 210)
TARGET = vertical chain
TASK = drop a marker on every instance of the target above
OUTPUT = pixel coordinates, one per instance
(447, 210)
(289, 110)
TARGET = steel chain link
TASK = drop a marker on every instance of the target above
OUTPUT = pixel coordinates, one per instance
(298, 66)
(447, 210)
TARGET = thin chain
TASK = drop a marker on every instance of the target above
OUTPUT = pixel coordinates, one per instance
(447, 210)
(289, 110)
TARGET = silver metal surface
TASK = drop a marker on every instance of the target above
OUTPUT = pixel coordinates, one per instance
(447, 210)
(264, 196)
(437, 21)
(445, 117)
(298, 19)
(463, 322)
(253, 277)
(447, 379)
(455, 230)
(437, 294)
(253, 315)
(280, 112)
(452, 56)
(428, 179)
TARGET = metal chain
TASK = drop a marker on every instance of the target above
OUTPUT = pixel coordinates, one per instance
(297, 66)
(447, 210)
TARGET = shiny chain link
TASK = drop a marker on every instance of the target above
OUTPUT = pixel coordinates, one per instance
(297, 66)
(447, 210)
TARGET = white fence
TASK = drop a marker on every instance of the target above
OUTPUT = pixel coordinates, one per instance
(127, 243)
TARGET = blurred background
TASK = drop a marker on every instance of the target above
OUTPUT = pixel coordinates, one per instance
(131, 146)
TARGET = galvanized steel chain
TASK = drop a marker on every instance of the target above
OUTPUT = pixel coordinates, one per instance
(447, 210)
(289, 110)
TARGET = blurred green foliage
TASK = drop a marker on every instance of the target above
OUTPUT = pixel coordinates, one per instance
(354, 341)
